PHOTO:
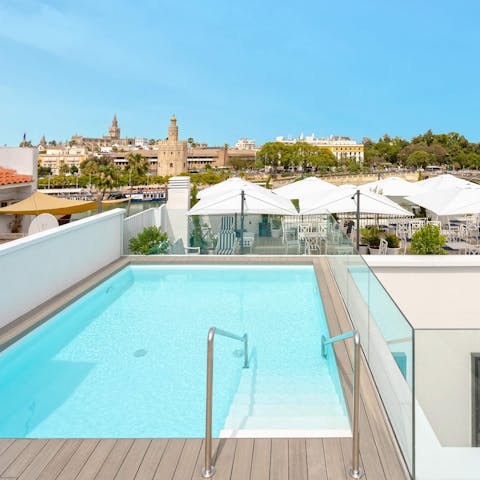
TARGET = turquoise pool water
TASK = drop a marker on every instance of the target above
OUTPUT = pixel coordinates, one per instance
(128, 359)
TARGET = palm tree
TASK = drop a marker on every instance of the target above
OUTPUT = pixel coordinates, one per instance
(106, 179)
(137, 167)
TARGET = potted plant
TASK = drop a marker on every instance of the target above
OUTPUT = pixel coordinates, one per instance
(393, 244)
(428, 241)
(276, 227)
(151, 241)
(371, 235)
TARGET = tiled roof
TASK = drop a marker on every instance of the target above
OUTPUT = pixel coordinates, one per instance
(10, 177)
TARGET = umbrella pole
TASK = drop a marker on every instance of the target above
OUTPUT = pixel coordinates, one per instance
(358, 219)
(242, 220)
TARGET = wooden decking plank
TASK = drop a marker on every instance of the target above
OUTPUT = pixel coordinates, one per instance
(261, 459)
(115, 458)
(297, 459)
(346, 445)
(199, 463)
(58, 462)
(279, 459)
(5, 443)
(224, 456)
(334, 459)
(42, 459)
(151, 459)
(11, 453)
(188, 459)
(95, 461)
(23, 460)
(168, 463)
(133, 459)
(242, 462)
(315, 459)
(78, 459)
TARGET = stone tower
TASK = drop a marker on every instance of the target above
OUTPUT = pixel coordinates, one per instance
(172, 153)
(114, 130)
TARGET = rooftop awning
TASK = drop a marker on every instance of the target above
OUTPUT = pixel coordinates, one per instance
(41, 203)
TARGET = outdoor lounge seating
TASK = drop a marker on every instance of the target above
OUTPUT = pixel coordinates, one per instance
(226, 243)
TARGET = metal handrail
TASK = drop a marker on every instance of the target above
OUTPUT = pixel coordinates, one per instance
(355, 471)
(209, 469)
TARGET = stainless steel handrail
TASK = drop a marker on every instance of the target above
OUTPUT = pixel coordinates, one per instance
(355, 471)
(209, 469)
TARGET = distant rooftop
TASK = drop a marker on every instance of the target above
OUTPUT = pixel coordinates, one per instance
(11, 177)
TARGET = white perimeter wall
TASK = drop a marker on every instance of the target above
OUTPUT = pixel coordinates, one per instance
(23, 160)
(36, 268)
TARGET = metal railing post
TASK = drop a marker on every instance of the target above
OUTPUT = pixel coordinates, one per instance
(355, 471)
(208, 470)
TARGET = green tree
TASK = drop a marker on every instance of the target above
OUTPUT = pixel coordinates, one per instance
(64, 169)
(428, 241)
(151, 241)
(73, 169)
(419, 159)
(137, 168)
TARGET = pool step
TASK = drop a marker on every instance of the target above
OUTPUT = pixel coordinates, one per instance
(285, 406)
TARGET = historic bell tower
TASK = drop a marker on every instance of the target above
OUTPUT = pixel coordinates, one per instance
(114, 130)
(172, 153)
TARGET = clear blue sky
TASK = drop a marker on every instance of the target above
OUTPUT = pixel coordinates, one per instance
(255, 68)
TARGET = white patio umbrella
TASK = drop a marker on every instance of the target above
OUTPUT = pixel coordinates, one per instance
(344, 201)
(307, 187)
(255, 201)
(452, 201)
(441, 182)
(251, 201)
(390, 187)
(227, 186)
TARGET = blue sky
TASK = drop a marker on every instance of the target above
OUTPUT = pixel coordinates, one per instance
(232, 69)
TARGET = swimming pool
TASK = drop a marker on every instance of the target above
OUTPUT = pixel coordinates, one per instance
(128, 359)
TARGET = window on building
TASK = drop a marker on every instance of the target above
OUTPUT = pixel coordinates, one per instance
(475, 399)
(171, 165)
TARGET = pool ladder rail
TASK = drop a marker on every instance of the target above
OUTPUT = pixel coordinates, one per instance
(209, 470)
(355, 470)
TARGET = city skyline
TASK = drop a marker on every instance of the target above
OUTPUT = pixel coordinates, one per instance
(232, 71)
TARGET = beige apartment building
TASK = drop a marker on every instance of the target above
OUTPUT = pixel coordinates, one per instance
(55, 157)
(344, 148)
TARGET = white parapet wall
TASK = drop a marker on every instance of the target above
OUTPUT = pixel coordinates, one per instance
(135, 224)
(177, 206)
(36, 268)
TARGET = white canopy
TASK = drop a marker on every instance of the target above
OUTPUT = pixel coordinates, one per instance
(390, 187)
(344, 201)
(307, 187)
(257, 201)
(227, 186)
(452, 201)
(441, 182)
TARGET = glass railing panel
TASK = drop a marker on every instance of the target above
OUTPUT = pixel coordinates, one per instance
(387, 342)
(447, 409)
(267, 235)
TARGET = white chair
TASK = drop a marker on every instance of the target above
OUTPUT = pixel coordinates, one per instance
(383, 247)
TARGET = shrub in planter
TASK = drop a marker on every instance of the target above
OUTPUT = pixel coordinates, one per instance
(151, 241)
(393, 244)
(371, 235)
(428, 241)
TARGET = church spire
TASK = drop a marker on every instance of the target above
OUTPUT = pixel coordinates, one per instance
(114, 130)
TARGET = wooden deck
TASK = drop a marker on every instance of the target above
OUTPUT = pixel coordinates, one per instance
(236, 459)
